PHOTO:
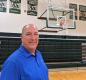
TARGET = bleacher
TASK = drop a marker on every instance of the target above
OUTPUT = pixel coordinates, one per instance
(57, 51)
(63, 51)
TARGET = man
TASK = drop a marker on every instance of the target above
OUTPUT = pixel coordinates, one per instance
(26, 63)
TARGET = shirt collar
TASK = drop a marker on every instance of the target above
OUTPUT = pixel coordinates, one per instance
(25, 52)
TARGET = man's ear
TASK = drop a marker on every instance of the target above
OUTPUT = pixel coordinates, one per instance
(20, 35)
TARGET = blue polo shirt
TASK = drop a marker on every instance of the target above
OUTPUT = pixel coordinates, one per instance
(22, 65)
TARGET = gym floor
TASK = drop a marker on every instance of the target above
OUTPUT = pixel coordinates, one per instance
(68, 74)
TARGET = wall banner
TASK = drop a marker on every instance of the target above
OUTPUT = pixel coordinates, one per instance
(73, 6)
(3, 5)
(82, 12)
(15, 6)
(32, 7)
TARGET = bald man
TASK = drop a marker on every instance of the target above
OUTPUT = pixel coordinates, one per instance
(26, 63)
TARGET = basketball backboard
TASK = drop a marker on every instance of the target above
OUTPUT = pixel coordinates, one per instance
(60, 18)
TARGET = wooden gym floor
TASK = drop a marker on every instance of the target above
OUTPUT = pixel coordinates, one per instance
(68, 74)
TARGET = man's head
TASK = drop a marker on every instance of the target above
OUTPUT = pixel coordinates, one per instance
(30, 37)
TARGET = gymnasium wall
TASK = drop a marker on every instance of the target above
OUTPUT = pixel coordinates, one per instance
(12, 23)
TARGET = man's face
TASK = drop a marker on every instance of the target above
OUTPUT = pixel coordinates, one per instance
(30, 38)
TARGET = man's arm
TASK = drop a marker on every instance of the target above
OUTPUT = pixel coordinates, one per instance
(10, 71)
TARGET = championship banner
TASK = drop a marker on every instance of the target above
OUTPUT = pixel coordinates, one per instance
(32, 7)
(73, 6)
(82, 12)
(3, 5)
(15, 6)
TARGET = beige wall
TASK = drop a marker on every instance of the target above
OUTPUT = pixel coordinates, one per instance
(13, 22)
